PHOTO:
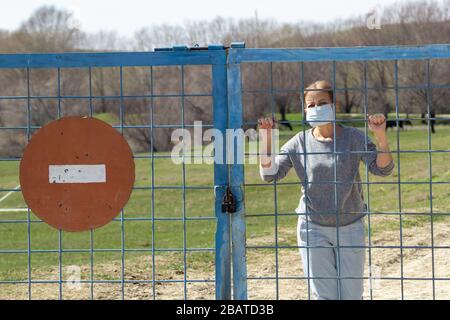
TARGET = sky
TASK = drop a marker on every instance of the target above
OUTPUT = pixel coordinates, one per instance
(126, 17)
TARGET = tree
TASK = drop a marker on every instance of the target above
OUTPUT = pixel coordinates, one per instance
(49, 30)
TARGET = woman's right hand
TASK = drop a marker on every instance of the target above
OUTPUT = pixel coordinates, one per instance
(265, 126)
(266, 123)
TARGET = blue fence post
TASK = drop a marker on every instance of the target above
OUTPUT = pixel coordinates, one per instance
(238, 226)
(221, 181)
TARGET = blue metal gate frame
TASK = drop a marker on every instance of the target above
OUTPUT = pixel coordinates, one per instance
(230, 242)
(238, 55)
(179, 55)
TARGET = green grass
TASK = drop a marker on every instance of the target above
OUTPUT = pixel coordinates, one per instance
(297, 116)
(108, 118)
(383, 197)
(200, 203)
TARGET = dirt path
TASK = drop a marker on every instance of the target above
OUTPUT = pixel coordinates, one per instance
(387, 262)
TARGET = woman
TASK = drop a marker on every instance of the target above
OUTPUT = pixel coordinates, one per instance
(331, 211)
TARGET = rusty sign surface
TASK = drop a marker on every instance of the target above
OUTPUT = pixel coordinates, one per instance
(77, 173)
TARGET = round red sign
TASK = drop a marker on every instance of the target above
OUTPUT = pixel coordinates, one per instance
(77, 173)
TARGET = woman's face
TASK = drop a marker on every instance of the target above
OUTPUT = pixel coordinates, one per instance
(317, 98)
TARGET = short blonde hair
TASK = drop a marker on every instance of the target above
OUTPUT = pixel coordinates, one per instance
(320, 85)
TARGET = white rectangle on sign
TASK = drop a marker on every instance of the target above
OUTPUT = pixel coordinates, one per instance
(84, 173)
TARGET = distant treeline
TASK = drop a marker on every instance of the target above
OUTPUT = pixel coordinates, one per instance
(50, 29)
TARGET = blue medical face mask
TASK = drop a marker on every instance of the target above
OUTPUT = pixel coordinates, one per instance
(320, 115)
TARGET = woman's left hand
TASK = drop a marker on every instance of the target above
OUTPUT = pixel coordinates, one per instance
(377, 123)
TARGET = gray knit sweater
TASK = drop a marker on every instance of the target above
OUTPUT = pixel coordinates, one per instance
(314, 163)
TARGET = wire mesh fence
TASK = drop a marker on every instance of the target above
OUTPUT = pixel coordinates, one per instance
(406, 213)
(174, 239)
(164, 232)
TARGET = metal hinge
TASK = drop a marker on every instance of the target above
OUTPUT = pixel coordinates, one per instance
(195, 47)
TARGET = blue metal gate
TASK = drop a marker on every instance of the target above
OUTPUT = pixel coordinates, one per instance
(295, 61)
(21, 232)
(228, 108)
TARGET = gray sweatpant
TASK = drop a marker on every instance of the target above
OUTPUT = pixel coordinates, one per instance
(320, 256)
